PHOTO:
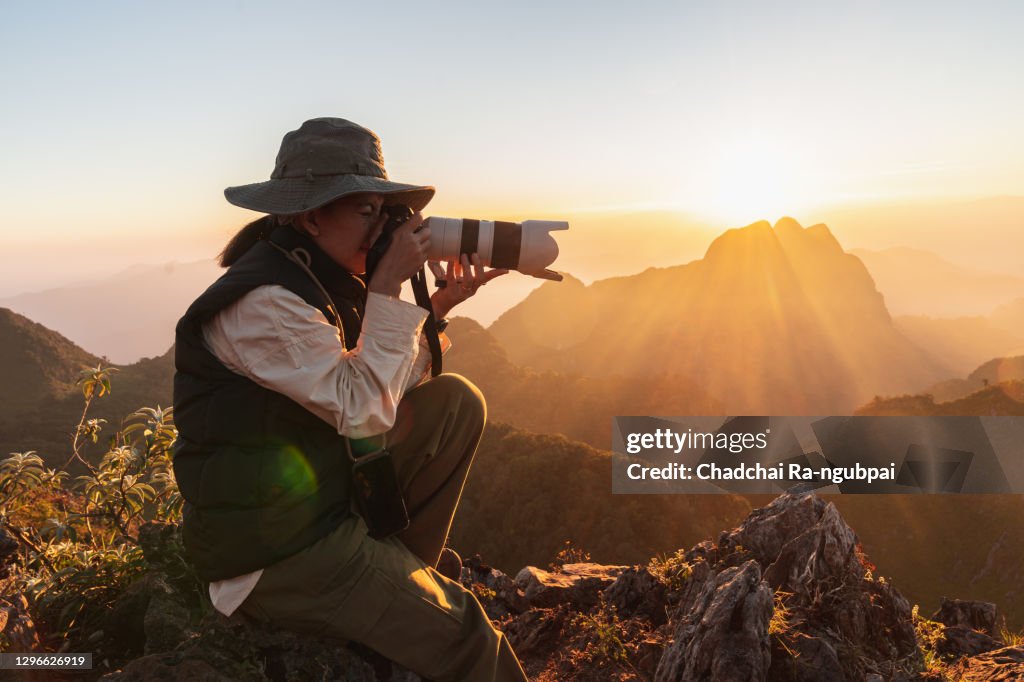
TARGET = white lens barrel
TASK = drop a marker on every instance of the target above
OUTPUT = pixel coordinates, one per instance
(527, 247)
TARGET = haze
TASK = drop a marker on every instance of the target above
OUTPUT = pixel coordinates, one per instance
(652, 128)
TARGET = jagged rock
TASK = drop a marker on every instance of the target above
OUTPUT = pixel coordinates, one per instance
(818, 559)
(873, 620)
(960, 640)
(150, 617)
(636, 592)
(648, 655)
(722, 632)
(537, 632)
(767, 530)
(801, 657)
(1001, 665)
(576, 583)
(706, 550)
(700, 572)
(976, 615)
(166, 622)
(507, 597)
(837, 623)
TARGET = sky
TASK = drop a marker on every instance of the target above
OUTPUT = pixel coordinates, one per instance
(123, 122)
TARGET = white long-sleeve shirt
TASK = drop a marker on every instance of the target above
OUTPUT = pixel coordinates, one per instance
(282, 343)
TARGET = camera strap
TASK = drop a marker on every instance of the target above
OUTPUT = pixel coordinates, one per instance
(419, 290)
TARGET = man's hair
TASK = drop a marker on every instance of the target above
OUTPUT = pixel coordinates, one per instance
(245, 238)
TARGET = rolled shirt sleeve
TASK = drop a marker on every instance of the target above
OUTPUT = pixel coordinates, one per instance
(282, 343)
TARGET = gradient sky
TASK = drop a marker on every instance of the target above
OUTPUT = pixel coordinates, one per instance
(128, 119)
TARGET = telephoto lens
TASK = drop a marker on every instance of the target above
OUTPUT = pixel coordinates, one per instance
(527, 246)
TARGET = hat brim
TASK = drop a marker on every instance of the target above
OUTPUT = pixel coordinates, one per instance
(285, 196)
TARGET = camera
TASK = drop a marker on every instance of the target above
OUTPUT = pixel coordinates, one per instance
(527, 247)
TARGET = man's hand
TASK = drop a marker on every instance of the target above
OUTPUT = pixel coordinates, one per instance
(462, 282)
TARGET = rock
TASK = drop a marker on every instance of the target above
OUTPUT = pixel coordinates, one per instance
(537, 632)
(124, 623)
(874, 622)
(819, 559)
(160, 542)
(229, 650)
(579, 584)
(170, 668)
(166, 622)
(766, 530)
(500, 596)
(636, 592)
(959, 640)
(17, 629)
(800, 657)
(149, 617)
(976, 615)
(722, 631)
(1001, 665)
(706, 550)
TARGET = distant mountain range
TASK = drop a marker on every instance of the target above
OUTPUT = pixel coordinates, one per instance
(531, 492)
(124, 317)
(961, 342)
(578, 407)
(773, 320)
(997, 374)
(40, 403)
(918, 282)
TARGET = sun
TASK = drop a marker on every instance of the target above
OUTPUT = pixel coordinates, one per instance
(757, 178)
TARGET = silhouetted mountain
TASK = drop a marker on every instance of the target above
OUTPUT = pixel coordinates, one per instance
(960, 342)
(41, 403)
(917, 282)
(1002, 399)
(576, 406)
(125, 317)
(988, 374)
(36, 363)
(1010, 317)
(769, 321)
(983, 232)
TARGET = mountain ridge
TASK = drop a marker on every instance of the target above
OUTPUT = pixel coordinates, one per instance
(763, 306)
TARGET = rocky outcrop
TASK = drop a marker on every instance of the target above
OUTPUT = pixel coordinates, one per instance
(721, 632)
(223, 651)
(787, 595)
(576, 583)
(829, 618)
(638, 593)
(976, 615)
(1002, 665)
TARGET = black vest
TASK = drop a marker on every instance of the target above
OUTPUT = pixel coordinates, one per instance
(261, 476)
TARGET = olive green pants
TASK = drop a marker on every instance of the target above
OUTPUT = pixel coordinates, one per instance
(385, 594)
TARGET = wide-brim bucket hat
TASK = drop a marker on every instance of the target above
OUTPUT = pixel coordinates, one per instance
(325, 159)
